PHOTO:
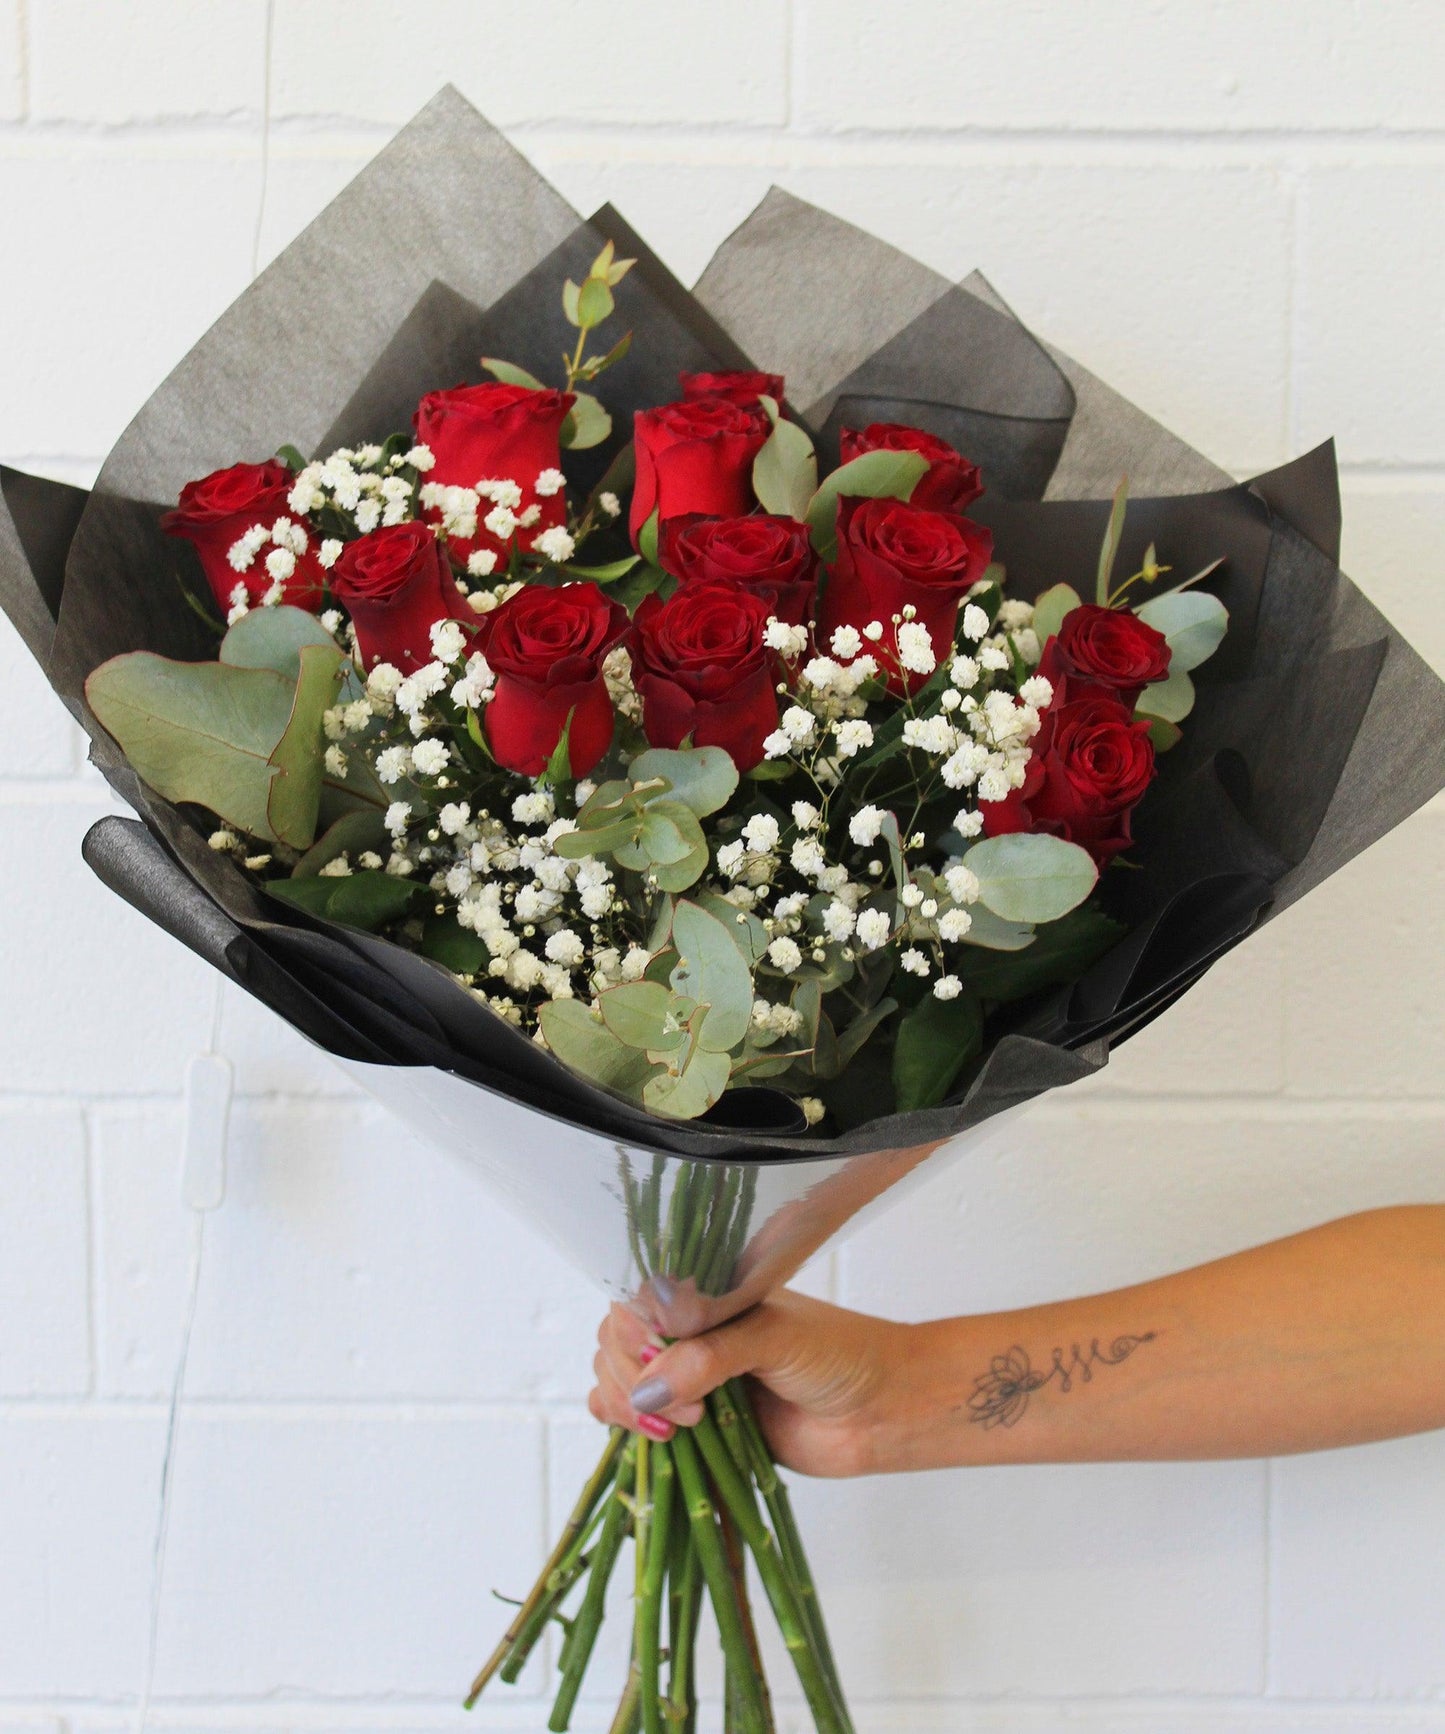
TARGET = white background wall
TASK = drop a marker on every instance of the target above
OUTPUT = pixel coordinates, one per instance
(1234, 210)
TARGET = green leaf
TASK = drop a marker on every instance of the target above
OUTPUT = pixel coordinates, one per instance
(771, 771)
(571, 302)
(992, 934)
(935, 1041)
(1060, 954)
(631, 589)
(744, 928)
(875, 476)
(702, 778)
(637, 1013)
(478, 733)
(292, 459)
(351, 834)
(678, 875)
(858, 1032)
(1193, 621)
(1051, 607)
(600, 363)
(294, 798)
(1163, 736)
(1109, 552)
(710, 970)
(598, 840)
(1171, 700)
(1025, 876)
(454, 947)
(369, 899)
(647, 539)
(663, 839)
(618, 477)
(510, 374)
(197, 731)
(785, 471)
(583, 1041)
(587, 424)
(594, 303)
(693, 1091)
(608, 574)
(273, 638)
(558, 768)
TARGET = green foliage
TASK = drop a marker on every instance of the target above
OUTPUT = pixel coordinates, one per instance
(457, 948)
(990, 933)
(1194, 623)
(274, 638)
(710, 971)
(369, 899)
(607, 574)
(581, 1040)
(587, 424)
(510, 374)
(1051, 607)
(292, 459)
(935, 1040)
(785, 471)
(1061, 951)
(702, 778)
(1170, 700)
(1030, 876)
(351, 834)
(647, 539)
(1109, 551)
(649, 822)
(874, 476)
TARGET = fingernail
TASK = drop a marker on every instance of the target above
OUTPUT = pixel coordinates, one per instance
(655, 1427)
(649, 1352)
(651, 1395)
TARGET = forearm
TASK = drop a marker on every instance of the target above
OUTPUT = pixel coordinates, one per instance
(1332, 1337)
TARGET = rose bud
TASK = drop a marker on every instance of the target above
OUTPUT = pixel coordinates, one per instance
(893, 554)
(1092, 763)
(741, 388)
(702, 669)
(547, 647)
(496, 433)
(396, 584)
(695, 457)
(950, 482)
(1104, 649)
(771, 556)
(214, 513)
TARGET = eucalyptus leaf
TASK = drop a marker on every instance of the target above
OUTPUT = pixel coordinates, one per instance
(197, 731)
(679, 875)
(1113, 534)
(581, 1040)
(702, 778)
(710, 970)
(587, 424)
(662, 839)
(990, 933)
(743, 927)
(639, 1013)
(873, 475)
(273, 638)
(369, 899)
(1051, 607)
(693, 1090)
(510, 374)
(572, 302)
(1031, 876)
(935, 1040)
(785, 471)
(1164, 736)
(294, 798)
(352, 834)
(1171, 700)
(594, 303)
(1193, 621)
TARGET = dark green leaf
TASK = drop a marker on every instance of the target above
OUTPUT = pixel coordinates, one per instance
(647, 539)
(292, 459)
(367, 899)
(457, 948)
(1061, 952)
(935, 1041)
(352, 834)
(608, 574)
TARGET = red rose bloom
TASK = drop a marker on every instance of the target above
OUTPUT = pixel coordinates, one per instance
(1092, 762)
(892, 553)
(695, 457)
(215, 512)
(741, 388)
(700, 664)
(546, 647)
(492, 433)
(772, 556)
(1104, 649)
(950, 483)
(396, 585)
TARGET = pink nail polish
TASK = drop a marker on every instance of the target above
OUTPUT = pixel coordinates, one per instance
(649, 1353)
(655, 1427)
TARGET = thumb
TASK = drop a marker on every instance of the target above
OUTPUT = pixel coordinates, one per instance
(687, 1371)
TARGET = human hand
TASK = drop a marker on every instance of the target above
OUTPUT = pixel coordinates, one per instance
(821, 1379)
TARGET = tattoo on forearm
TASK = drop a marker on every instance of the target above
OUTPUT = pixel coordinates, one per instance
(1001, 1395)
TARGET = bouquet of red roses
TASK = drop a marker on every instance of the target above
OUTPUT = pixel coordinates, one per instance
(754, 798)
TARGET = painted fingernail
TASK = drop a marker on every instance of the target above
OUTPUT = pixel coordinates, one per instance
(651, 1395)
(655, 1427)
(649, 1353)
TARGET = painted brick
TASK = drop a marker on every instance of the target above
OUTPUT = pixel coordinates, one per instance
(37, 737)
(100, 1000)
(341, 1553)
(685, 64)
(172, 232)
(12, 61)
(44, 1253)
(1370, 359)
(348, 1261)
(146, 60)
(1394, 549)
(1120, 67)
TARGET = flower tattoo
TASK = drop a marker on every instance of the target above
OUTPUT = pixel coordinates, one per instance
(1001, 1395)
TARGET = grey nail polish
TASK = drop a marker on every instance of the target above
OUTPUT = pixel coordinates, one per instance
(651, 1395)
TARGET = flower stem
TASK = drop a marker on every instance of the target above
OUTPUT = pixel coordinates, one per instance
(583, 1634)
(651, 1585)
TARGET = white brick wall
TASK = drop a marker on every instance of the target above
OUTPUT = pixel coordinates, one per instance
(1232, 211)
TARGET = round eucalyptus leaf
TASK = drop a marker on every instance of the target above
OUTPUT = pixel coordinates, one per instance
(1172, 699)
(710, 970)
(702, 778)
(1193, 621)
(1030, 876)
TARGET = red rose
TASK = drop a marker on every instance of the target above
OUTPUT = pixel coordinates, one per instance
(495, 433)
(950, 483)
(396, 584)
(891, 554)
(772, 556)
(1092, 762)
(695, 457)
(546, 647)
(1108, 649)
(702, 669)
(215, 512)
(741, 388)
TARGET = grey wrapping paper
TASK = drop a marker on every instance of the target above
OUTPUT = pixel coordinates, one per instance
(449, 246)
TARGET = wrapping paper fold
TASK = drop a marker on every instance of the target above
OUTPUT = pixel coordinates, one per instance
(1317, 730)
